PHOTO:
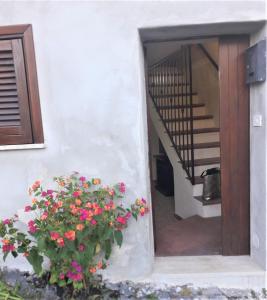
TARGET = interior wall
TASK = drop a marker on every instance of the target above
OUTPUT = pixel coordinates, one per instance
(205, 78)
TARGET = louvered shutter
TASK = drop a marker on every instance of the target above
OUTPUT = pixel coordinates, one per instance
(15, 121)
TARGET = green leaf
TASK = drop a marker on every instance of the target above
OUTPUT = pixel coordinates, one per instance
(35, 260)
(14, 253)
(118, 237)
(107, 249)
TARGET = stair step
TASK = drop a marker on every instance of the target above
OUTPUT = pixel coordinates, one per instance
(209, 202)
(202, 117)
(181, 106)
(204, 161)
(168, 84)
(200, 146)
(198, 179)
(197, 131)
(173, 95)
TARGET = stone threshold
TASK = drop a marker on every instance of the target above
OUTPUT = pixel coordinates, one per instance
(205, 271)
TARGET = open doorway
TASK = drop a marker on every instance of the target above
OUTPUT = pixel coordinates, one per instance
(188, 105)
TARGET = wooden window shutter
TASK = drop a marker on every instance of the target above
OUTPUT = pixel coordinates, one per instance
(20, 114)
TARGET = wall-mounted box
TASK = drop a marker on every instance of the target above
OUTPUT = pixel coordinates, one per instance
(256, 63)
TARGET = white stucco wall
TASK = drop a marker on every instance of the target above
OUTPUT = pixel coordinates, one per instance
(90, 69)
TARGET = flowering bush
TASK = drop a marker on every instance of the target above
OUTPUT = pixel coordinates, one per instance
(75, 226)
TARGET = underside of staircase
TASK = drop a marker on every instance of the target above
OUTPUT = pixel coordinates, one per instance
(185, 127)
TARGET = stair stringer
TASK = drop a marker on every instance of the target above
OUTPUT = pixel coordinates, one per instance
(185, 204)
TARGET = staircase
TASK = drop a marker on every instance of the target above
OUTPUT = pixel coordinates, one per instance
(183, 124)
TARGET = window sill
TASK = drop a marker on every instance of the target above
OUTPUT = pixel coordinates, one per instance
(22, 147)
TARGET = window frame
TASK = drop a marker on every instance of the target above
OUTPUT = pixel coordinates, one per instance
(25, 33)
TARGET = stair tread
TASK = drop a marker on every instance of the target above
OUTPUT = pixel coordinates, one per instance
(208, 202)
(201, 117)
(205, 161)
(198, 179)
(201, 145)
(173, 95)
(181, 106)
(198, 131)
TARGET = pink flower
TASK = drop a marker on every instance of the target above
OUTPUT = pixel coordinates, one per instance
(62, 276)
(128, 215)
(81, 247)
(143, 200)
(121, 220)
(82, 178)
(44, 194)
(122, 187)
(77, 193)
(44, 216)
(50, 192)
(6, 221)
(27, 208)
(32, 226)
(93, 222)
(9, 247)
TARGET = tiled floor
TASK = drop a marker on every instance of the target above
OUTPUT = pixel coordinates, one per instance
(191, 236)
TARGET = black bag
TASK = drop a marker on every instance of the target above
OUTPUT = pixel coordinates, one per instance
(212, 184)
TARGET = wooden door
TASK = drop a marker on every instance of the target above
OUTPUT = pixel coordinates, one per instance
(234, 137)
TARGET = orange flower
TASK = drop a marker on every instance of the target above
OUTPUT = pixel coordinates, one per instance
(78, 202)
(5, 242)
(36, 185)
(61, 183)
(25, 254)
(70, 235)
(59, 204)
(34, 200)
(72, 206)
(96, 181)
(92, 270)
(85, 185)
(80, 227)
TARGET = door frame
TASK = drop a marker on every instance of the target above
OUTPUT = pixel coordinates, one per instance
(235, 235)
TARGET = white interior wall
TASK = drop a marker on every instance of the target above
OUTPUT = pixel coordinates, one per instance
(90, 64)
(206, 79)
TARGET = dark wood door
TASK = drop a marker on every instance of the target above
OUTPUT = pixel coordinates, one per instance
(234, 136)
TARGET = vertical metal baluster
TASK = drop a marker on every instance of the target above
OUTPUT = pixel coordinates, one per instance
(179, 70)
(187, 112)
(191, 117)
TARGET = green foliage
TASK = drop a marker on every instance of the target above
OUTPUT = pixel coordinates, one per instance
(8, 293)
(75, 227)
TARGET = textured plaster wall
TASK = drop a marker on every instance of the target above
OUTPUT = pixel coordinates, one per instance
(258, 163)
(90, 69)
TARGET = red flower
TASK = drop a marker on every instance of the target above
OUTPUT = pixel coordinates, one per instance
(61, 242)
(82, 178)
(121, 220)
(54, 235)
